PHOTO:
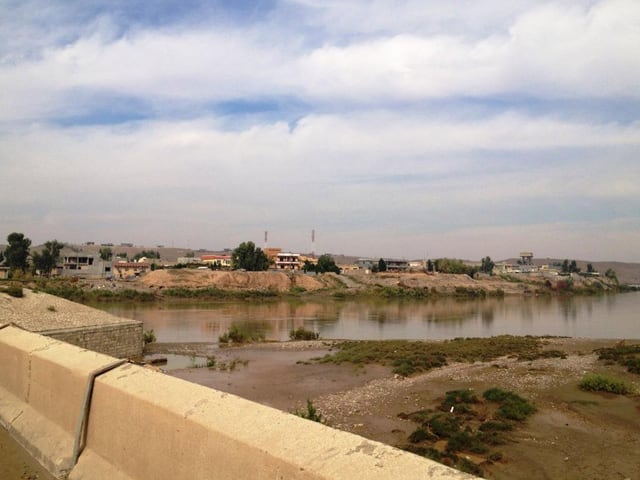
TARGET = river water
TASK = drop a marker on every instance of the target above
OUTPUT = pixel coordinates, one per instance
(607, 316)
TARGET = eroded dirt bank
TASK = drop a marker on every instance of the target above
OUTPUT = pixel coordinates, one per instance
(573, 434)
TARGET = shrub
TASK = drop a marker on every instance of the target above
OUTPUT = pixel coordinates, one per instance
(236, 335)
(310, 414)
(303, 334)
(465, 441)
(444, 426)
(148, 336)
(14, 291)
(602, 383)
(421, 435)
(513, 407)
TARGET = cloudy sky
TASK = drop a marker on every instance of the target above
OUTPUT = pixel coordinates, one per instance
(406, 128)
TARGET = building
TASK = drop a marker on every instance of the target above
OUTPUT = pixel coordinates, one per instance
(288, 261)
(83, 265)
(222, 261)
(393, 264)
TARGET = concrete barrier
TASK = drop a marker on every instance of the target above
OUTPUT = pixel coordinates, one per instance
(44, 385)
(143, 424)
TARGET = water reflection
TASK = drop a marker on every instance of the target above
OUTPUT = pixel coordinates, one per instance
(612, 316)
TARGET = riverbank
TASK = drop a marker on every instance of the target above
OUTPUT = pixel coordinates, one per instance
(207, 285)
(573, 434)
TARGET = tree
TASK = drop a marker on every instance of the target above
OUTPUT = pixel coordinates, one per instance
(573, 267)
(611, 275)
(590, 268)
(326, 264)
(246, 256)
(487, 265)
(308, 267)
(382, 265)
(429, 266)
(565, 266)
(47, 260)
(17, 251)
(106, 254)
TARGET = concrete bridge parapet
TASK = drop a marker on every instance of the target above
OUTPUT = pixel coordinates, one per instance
(143, 424)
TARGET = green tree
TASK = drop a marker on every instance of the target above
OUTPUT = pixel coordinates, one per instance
(429, 266)
(47, 260)
(106, 254)
(326, 263)
(246, 256)
(487, 265)
(565, 266)
(611, 275)
(17, 251)
(382, 265)
(590, 268)
(308, 267)
(573, 267)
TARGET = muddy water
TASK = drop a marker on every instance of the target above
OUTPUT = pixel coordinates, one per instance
(609, 316)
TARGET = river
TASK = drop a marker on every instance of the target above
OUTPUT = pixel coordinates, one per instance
(606, 316)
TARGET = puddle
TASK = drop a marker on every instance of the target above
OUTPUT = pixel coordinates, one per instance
(176, 362)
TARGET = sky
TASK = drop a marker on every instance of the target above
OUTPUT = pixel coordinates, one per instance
(405, 128)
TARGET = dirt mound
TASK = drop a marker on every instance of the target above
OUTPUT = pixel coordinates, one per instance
(276, 281)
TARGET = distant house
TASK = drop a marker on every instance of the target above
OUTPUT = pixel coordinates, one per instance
(288, 261)
(393, 264)
(83, 265)
(223, 261)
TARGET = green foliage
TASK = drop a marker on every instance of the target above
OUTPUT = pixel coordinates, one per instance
(467, 442)
(13, 291)
(106, 254)
(17, 251)
(512, 406)
(302, 333)
(213, 293)
(326, 263)
(148, 336)
(382, 265)
(602, 383)
(47, 260)
(622, 354)
(311, 413)
(247, 257)
(146, 254)
(487, 265)
(409, 357)
(452, 265)
(239, 336)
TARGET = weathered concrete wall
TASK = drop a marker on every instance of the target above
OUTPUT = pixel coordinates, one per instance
(143, 424)
(122, 340)
(42, 387)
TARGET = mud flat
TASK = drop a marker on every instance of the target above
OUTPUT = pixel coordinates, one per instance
(573, 434)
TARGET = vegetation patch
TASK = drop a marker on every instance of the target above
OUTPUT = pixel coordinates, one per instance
(302, 333)
(311, 413)
(236, 335)
(625, 355)
(469, 425)
(603, 383)
(408, 357)
(13, 291)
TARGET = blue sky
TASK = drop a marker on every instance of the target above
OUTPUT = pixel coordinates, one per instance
(393, 128)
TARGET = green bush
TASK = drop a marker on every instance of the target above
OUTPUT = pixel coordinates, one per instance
(236, 335)
(513, 407)
(302, 333)
(14, 291)
(602, 383)
(310, 414)
(148, 336)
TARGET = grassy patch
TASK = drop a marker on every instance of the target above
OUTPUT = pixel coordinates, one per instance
(625, 355)
(311, 413)
(603, 383)
(465, 429)
(407, 357)
(302, 333)
(238, 336)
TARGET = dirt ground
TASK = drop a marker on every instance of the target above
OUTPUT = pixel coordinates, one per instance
(573, 435)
